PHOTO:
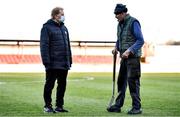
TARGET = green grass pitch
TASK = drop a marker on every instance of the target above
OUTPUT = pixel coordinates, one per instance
(87, 94)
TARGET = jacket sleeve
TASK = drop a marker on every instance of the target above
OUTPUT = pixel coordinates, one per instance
(117, 45)
(118, 41)
(44, 46)
(69, 46)
(136, 31)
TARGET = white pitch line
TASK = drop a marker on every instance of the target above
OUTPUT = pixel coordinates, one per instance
(2, 83)
(87, 78)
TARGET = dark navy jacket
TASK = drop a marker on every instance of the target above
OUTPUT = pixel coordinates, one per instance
(55, 46)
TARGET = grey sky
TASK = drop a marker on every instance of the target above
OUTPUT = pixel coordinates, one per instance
(89, 19)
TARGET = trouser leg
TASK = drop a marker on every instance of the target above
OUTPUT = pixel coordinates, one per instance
(61, 88)
(133, 68)
(48, 87)
(122, 84)
(134, 88)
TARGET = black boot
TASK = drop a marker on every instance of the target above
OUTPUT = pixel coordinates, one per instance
(134, 111)
(114, 108)
(60, 109)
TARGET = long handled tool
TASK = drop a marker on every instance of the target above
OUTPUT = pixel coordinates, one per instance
(114, 79)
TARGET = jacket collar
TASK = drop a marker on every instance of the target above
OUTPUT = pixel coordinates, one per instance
(52, 22)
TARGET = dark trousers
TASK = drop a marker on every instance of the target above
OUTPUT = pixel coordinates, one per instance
(129, 74)
(51, 76)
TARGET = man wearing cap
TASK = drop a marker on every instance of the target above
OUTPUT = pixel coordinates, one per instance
(129, 43)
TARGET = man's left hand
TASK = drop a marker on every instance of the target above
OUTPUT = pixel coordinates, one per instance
(126, 54)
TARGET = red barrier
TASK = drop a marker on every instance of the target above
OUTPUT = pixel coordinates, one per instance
(36, 59)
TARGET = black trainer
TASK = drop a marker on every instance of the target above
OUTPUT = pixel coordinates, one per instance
(135, 111)
(114, 108)
(60, 109)
(48, 109)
